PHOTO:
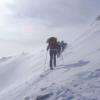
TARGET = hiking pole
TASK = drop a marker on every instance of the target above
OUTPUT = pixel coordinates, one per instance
(62, 58)
(45, 60)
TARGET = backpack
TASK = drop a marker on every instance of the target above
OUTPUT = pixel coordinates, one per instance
(52, 41)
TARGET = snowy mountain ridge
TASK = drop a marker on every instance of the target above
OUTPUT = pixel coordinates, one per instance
(26, 77)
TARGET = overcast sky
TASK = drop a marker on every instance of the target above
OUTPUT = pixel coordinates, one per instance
(25, 24)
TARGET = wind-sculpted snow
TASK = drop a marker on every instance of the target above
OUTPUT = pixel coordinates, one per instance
(76, 77)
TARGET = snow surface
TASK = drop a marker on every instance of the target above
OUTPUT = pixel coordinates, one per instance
(76, 77)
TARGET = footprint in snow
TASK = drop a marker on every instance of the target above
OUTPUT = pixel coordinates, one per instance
(44, 97)
(27, 98)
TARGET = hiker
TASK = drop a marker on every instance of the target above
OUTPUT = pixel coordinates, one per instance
(63, 46)
(58, 49)
(52, 46)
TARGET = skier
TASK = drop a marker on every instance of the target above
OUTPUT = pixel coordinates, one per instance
(52, 46)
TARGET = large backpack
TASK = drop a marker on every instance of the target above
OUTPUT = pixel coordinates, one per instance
(52, 42)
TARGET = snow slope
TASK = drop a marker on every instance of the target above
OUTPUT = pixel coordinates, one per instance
(76, 77)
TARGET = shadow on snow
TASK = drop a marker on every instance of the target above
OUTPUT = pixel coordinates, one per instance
(80, 63)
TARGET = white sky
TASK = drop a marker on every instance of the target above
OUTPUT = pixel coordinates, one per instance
(24, 24)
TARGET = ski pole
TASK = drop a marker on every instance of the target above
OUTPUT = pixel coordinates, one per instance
(45, 61)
